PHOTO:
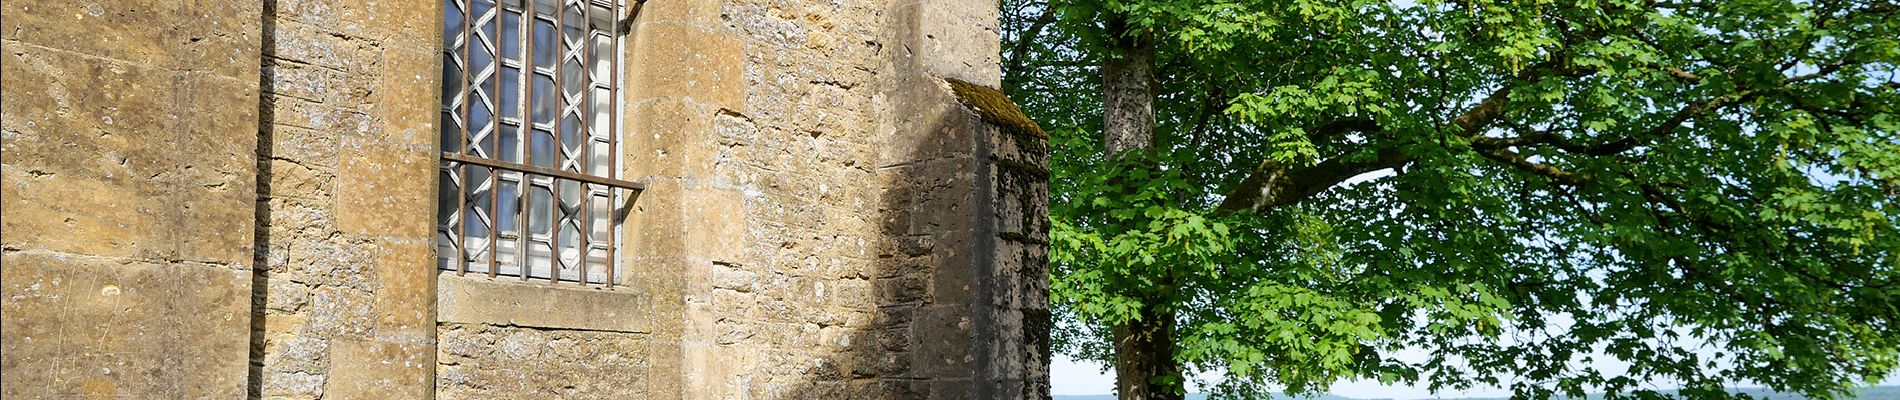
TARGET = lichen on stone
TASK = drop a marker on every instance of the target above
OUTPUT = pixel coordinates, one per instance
(995, 107)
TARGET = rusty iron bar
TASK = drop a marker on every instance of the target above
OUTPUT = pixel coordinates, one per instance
(543, 171)
(460, 230)
(585, 108)
(613, 130)
(560, 146)
(525, 242)
(499, 62)
(463, 159)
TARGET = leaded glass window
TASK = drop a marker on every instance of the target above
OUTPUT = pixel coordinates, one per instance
(529, 178)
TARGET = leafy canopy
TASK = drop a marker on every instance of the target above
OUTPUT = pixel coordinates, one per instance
(1704, 190)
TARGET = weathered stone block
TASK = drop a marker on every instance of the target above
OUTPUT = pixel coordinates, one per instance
(405, 293)
(719, 235)
(944, 341)
(698, 14)
(502, 362)
(670, 137)
(408, 97)
(116, 157)
(95, 326)
(685, 62)
(386, 190)
(313, 45)
(174, 34)
(505, 301)
(380, 370)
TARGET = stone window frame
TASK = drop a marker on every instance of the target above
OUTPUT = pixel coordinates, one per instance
(502, 155)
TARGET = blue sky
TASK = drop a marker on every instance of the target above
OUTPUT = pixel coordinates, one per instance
(1070, 377)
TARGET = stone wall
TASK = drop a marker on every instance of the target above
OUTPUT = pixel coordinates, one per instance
(837, 206)
(344, 306)
(823, 199)
(126, 134)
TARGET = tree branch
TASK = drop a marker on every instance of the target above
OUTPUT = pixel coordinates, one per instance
(1026, 39)
(1524, 163)
(1273, 184)
(1626, 143)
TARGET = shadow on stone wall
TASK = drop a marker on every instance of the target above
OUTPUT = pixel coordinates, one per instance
(960, 284)
(261, 242)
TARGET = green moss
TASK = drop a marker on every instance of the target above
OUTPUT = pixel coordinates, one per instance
(995, 107)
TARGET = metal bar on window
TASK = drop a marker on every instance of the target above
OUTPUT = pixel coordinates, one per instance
(499, 63)
(560, 143)
(544, 171)
(586, 94)
(524, 238)
(581, 168)
(460, 231)
(613, 134)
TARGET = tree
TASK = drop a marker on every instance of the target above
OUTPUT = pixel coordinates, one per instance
(1290, 192)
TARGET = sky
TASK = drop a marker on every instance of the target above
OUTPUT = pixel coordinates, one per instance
(1070, 377)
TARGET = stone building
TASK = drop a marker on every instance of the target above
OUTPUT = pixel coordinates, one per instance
(470, 199)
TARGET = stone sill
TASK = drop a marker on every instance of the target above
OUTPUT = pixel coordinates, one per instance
(565, 306)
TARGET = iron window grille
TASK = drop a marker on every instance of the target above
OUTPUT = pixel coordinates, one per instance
(529, 171)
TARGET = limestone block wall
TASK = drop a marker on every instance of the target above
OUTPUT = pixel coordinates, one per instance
(126, 179)
(757, 128)
(238, 199)
(345, 299)
(820, 217)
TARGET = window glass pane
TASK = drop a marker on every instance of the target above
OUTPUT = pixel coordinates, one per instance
(600, 161)
(574, 21)
(571, 197)
(451, 80)
(542, 99)
(544, 46)
(538, 259)
(540, 210)
(571, 78)
(444, 247)
(479, 60)
(481, 51)
(510, 134)
(488, 23)
(541, 150)
(475, 240)
(478, 118)
(510, 35)
(505, 206)
(602, 207)
(602, 58)
(571, 139)
(480, 7)
(451, 133)
(474, 220)
(569, 243)
(601, 108)
(446, 192)
(452, 20)
(475, 180)
(510, 92)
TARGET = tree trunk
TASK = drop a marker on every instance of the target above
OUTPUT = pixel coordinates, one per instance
(1128, 94)
(1144, 357)
(1144, 349)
